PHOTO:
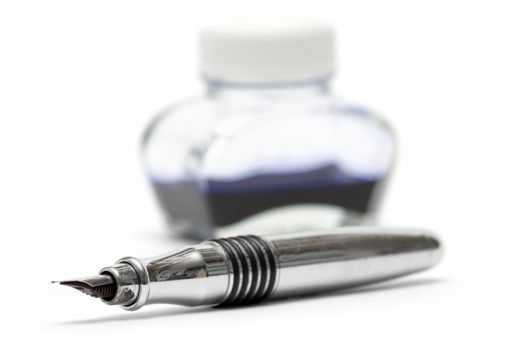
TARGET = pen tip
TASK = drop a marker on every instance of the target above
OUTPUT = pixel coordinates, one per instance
(100, 286)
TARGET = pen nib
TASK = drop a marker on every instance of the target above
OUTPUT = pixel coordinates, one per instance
(100, 286)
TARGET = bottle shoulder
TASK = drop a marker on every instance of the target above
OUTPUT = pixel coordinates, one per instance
(198, 115)
(195, 122)
(220, 138)
(180, 117)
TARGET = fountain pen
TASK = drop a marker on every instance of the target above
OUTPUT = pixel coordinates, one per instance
(249, 269)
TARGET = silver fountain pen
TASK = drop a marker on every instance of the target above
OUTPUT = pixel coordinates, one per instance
(249, 269)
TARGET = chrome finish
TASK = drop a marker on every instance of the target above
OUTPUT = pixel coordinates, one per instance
(335, 259)
(127, 283)
(196, 275)
(248, 269)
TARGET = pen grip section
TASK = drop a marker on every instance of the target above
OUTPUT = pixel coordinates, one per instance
(254, 268)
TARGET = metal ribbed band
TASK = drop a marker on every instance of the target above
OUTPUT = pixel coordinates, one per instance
(254, 268)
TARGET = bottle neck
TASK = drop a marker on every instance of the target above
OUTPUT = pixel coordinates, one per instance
(274, 90)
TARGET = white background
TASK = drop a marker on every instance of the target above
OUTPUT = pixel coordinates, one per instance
(80, 79)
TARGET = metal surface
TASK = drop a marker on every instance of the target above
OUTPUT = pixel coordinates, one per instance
(249, 269)
(128, 284)
(328, 260)
(100, 286)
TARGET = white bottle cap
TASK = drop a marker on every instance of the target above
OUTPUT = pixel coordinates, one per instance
(264, 50)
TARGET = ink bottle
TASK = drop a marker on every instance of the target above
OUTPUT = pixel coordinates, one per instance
(268, 147)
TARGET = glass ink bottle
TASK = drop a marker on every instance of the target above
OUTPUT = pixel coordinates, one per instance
(268, 147)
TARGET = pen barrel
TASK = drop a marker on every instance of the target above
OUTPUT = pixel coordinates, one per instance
(330, 260)
(278, 266)
(247, 269)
